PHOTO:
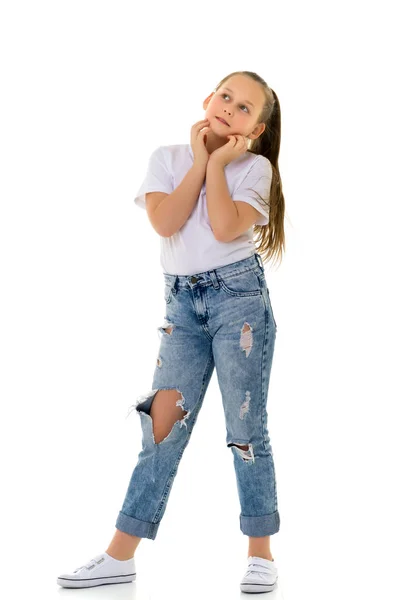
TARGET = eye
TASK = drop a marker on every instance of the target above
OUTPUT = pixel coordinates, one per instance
(242, 104)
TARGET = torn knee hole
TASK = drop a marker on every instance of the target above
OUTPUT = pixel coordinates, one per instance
(245, 451)
(162, 424)
(241, 447)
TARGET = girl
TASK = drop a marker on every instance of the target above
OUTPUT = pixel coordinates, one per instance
(206, 200)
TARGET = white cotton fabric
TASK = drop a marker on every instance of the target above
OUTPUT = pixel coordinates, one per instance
(194, 249)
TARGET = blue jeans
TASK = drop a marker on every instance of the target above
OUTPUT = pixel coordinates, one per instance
(220, 318)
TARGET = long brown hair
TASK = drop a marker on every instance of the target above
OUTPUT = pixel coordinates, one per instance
(271, 237)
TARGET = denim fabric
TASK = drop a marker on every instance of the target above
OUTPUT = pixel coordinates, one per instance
(220, 318)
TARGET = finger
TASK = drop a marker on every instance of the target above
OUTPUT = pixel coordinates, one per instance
(201, 123)
(201, 136)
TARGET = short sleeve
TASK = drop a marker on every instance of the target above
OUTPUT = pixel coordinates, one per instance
(257, 179)
(157, 179)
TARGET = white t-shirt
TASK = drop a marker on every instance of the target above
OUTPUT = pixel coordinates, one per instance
(194, 249)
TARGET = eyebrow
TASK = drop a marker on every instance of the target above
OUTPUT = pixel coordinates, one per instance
(247, 101)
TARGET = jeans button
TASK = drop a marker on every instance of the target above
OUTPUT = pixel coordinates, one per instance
(194, 279)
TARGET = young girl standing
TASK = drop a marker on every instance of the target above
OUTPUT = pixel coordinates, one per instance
(206, 200)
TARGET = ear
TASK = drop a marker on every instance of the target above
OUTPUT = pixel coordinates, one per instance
(257, 131)
(207, 100)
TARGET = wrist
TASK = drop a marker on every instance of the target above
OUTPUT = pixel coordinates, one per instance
(215, 162)
(199, 167)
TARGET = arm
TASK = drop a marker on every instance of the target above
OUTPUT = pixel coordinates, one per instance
(228, 218)
(174, 210)
(220, 206)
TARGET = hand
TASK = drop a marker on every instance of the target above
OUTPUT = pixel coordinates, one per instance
(236, 145)
(198, 137)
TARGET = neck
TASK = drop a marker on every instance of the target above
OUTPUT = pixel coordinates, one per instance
(214, 142)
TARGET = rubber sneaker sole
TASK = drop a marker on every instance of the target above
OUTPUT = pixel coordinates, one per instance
(258, 588)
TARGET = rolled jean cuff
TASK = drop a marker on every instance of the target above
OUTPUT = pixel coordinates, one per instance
(133, 526)
(260, 526)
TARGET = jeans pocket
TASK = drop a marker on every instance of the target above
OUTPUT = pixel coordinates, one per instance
(270, 307)
(263, 284)
(167, 292)
(243, 284)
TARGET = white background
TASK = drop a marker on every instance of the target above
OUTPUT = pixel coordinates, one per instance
(89, 89)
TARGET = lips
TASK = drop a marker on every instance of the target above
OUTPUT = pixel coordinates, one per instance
(222, 121)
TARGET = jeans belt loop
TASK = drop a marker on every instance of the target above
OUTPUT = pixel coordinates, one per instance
(214, 279)
(259, 259)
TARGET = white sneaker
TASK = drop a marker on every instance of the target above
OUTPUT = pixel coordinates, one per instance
(100, 570)
(261, 576)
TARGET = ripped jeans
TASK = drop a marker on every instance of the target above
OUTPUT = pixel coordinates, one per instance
(220, 318)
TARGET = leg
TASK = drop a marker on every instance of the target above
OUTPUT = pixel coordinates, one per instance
(243, 350)
(168, 414)
(123, 545)
(260, 546)
(164, 412)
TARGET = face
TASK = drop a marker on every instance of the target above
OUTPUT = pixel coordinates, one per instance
(239, 102)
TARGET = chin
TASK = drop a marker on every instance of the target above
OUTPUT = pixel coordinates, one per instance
(218, 135)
